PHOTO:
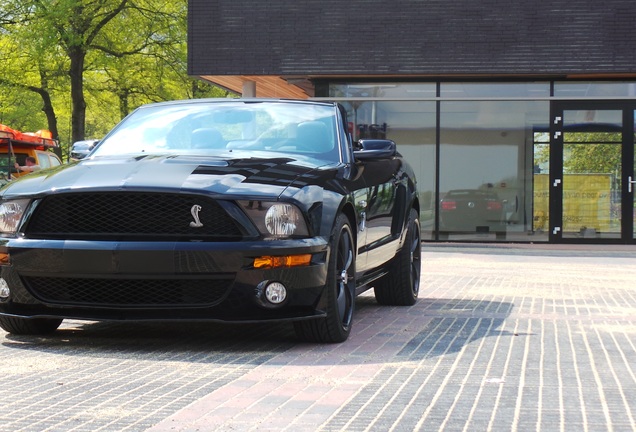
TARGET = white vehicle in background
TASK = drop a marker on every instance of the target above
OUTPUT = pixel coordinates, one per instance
(81, 149)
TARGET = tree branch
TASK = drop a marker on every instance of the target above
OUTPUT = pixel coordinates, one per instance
(107, 18)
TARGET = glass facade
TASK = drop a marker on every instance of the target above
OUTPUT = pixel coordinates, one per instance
(412, 125)
(486, 170)
(482, 151)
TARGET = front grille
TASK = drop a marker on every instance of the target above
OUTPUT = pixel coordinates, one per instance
(128, 293)
(130, 216)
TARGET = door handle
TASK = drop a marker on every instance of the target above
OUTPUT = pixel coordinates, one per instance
(630, 182)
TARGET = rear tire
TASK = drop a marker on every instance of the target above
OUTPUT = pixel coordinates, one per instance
(340, 291)
(401, 285)
(29, 326)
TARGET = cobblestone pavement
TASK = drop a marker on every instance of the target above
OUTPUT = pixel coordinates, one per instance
(503, 338)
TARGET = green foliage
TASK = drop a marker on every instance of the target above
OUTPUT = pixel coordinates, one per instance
(592, 152)
(94, 60)
(584, 152)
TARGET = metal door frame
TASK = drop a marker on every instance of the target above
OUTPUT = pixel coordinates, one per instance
(557, 107)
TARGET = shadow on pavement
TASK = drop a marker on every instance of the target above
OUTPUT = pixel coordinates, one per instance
(435, 327)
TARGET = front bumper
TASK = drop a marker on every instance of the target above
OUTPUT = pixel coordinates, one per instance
(96, 280)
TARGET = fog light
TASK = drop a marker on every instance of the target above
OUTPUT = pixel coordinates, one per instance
(5, 292)
(276, 293)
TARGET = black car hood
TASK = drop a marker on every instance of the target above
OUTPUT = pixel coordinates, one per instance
(242, 176)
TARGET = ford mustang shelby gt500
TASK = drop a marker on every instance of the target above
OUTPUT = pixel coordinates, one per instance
(233, 210)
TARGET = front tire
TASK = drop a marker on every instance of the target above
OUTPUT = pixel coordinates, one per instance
(340, 291)
(401, 285)
(29, 326)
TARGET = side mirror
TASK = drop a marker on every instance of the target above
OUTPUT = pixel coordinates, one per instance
(375, 149)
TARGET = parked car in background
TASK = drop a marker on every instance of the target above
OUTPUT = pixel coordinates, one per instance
(471, 211)
(234, 210)
(81, 149)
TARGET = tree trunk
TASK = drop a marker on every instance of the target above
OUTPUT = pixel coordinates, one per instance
(50, 114)
(124, 109)
(47, 107)
(78, 103)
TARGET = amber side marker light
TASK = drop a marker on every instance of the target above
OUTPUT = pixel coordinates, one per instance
(282, 261)
(4, 259)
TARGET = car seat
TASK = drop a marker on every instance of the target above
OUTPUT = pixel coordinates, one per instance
(314, 136)
(207, 138)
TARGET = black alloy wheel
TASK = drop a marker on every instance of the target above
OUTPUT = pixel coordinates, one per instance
(401, 286)
(340, 291)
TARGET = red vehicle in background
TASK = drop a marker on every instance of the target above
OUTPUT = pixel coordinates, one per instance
(16, 147)
(471, 211)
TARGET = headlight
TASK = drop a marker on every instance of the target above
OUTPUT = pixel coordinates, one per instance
(276, 219)
(281, 220)
(10, 215)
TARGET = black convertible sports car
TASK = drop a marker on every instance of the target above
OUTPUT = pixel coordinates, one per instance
(235, 210)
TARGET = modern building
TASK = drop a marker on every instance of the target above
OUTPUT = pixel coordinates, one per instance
(517, 116)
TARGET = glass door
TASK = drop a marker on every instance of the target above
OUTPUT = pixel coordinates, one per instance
(592, 165)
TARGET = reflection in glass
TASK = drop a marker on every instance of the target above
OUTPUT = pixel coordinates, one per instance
(495, 153)
(495, 90)
(541, 182)
(487, 169)
(412, 126)
(383, 90)
(592, 173)
(594, 89)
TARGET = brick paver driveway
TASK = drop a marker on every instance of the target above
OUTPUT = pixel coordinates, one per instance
(502, 338)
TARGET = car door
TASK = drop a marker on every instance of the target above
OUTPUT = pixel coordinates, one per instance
(383, 210)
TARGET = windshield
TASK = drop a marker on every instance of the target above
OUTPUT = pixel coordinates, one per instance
(219, 127)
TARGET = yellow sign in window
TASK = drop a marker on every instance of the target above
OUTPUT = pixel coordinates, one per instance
(587, 203)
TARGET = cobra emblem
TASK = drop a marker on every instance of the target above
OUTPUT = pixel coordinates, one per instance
(195, 214)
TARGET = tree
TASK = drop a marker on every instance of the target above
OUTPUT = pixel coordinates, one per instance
(68, 27)
(115, 54)
(158, 49)
(592, 152)
(26, 66)
(583, 152)
(82, 65)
